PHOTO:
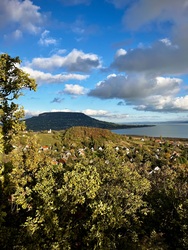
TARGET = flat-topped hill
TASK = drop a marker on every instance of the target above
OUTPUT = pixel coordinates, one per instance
(64, 120)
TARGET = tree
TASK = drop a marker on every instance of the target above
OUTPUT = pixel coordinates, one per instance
(2, 214)
(168, 199)
(12, 81)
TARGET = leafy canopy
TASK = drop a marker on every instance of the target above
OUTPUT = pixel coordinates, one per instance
(12, 81)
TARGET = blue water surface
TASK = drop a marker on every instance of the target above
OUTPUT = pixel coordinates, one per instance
(163, 130)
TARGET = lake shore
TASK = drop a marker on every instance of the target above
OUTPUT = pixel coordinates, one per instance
(157, 137)
(173, 131)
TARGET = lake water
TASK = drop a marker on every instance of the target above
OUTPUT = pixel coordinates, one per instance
(164, 130)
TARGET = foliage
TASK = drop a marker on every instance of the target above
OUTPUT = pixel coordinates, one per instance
(168, 198)
(90, 189)
(73, 207)
(2, 213)
(12, 82)
(109, 198)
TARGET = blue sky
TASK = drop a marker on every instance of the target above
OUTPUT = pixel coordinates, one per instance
(115, 60)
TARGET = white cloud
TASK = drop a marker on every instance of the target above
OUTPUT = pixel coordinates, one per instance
(76, 60)
(135, 86)
(180, 103)
(143, 92)
(164, 104)
(60, 110)
(166, 86)
(74, 89)
(30, 113)
(120, 52)
(166, 41)
(47, 63)
(46, 40)
(102, 114)
(109, 76)
(95, 113)
(42, 77)
(23, 14)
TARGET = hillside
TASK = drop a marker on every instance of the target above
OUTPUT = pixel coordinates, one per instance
(64, 120)
(88, 136)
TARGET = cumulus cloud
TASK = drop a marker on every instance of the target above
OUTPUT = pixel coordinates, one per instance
(163, 103)
(42, 77)
(169, 54)
(142, 92)
(161, 58)
(23, 14)
(142, 12)
(74, 89)
(120, 52)
(46, 40)
(147, 86)
(76, 60)
(135, 86)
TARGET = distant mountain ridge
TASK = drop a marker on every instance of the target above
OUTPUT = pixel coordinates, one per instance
(65, 120)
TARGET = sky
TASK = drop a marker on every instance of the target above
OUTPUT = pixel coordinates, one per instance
(122, 61)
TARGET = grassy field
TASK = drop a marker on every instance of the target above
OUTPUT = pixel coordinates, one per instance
(49, 139)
